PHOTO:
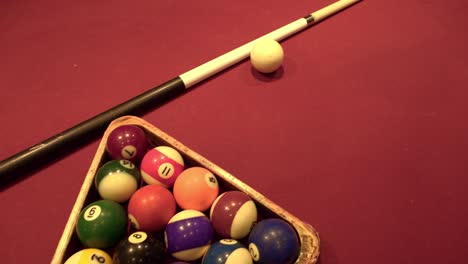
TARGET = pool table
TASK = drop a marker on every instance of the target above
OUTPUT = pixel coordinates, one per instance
(362, 132)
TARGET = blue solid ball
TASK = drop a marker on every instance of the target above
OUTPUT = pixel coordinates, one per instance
(274, 241)
(227, 251)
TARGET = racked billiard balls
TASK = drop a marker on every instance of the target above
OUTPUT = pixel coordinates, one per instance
(188, 235)
(195, 189)
(227, 251)
(140, 247)
(117, 180)
(101, 224)
(273, 241)
(90, 255)
(127, 142)
(151, 207)
(233, 214)
(161, 165)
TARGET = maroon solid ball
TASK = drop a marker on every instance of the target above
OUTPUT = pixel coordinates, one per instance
(127, 142)
(233, 214)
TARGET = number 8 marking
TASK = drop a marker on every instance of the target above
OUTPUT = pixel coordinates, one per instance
(137, 237)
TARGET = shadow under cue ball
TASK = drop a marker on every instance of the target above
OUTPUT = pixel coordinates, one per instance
(188, 235)
(196, 188)
(139, 247)
(266, 55)
(117, 180)
(127, 142)
(102, 224)
(273, 241)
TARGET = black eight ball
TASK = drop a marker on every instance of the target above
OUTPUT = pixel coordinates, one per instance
(139, 247)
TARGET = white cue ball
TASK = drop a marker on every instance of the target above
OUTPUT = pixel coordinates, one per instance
(266, 55)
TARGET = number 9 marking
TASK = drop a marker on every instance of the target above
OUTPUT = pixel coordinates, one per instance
(99, 259)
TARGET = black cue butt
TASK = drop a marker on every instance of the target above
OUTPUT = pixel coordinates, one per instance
(29, 160)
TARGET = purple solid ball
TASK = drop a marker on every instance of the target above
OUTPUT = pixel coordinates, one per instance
(188, 235)
(127, 142)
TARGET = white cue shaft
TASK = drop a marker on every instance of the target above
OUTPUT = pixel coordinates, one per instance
(230, 58)
(44, 152)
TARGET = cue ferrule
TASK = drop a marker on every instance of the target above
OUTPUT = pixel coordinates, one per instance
(310, 19)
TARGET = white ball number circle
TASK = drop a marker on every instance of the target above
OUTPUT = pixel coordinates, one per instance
(133, 221)
(137, 237)
(211, 180)
(254, 252)
(127, 164)
(128, 152)
(228, 241)
(92, 213)
(166, 170)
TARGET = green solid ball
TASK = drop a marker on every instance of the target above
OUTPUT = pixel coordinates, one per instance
(102, 224)
(117, 180)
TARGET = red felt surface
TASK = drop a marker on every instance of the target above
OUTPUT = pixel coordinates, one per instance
(363, 134)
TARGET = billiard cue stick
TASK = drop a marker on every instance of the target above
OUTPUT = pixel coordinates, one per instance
(50, 149)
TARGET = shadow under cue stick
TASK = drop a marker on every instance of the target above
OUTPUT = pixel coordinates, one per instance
(45, 152)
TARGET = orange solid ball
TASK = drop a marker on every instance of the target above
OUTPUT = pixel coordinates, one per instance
(196, 188)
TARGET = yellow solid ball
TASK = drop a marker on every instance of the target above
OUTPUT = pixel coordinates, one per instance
(267, 56)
